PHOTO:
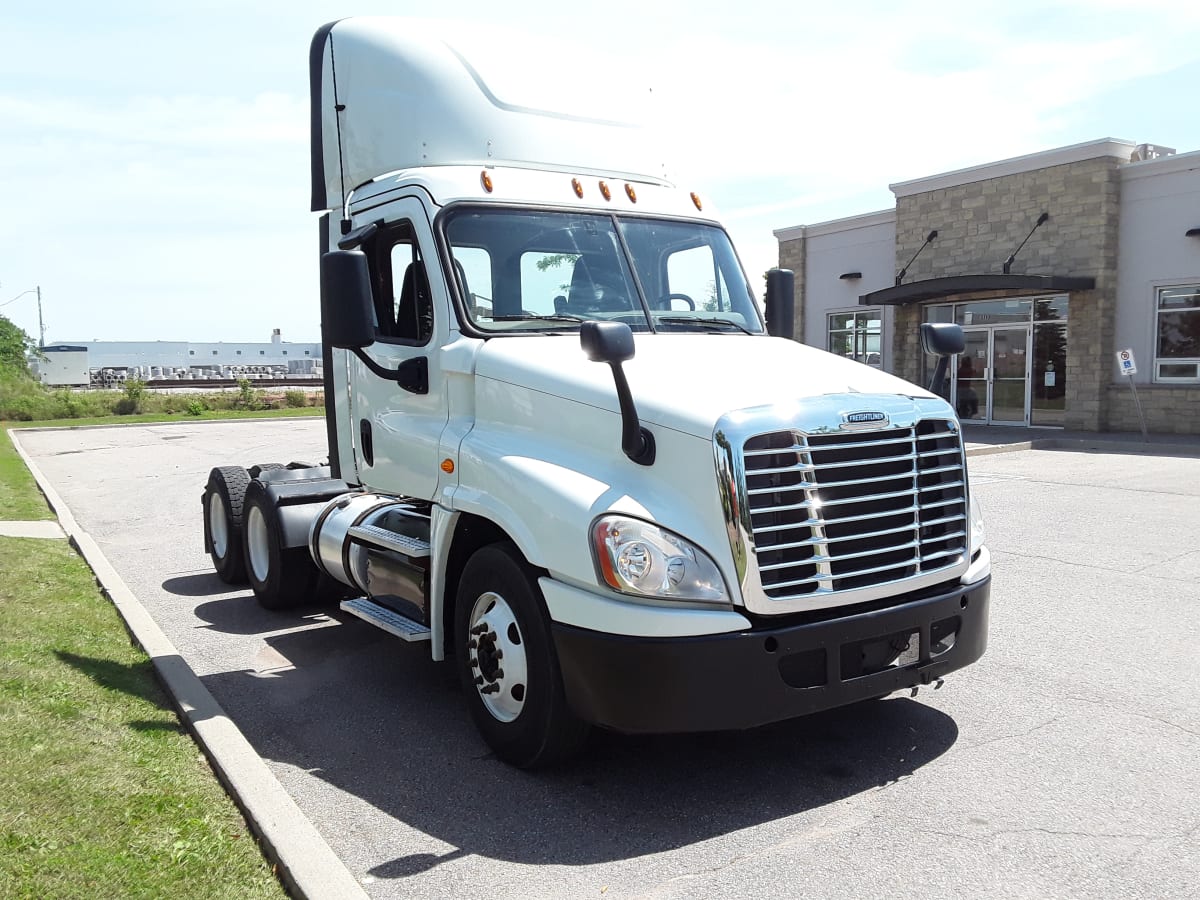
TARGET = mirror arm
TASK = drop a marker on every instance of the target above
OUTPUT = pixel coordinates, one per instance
(636, 441)
(412, 374)
(939, 375)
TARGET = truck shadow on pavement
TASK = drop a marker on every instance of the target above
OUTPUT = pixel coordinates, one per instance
(372, 717)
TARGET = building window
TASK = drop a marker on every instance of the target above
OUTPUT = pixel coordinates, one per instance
(191, 353)
(239, 352)
(214, 353)
(285, 353)
(857, 336)
(262, 352)
(306, 353)
(1177, 352)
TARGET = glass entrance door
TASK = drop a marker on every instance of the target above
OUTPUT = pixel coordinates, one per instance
(971, 379)
(991, 384)
(1010, 376)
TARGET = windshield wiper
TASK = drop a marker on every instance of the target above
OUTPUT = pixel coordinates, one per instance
(702, 320)
(556, 317)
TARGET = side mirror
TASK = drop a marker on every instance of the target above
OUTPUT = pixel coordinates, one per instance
(781, 303)
(347, 317)
(612, 343)
(943, 339)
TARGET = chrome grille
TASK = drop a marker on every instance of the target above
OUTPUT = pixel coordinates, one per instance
(851, 510)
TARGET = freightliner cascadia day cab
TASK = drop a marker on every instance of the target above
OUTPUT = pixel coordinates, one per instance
(565, 449)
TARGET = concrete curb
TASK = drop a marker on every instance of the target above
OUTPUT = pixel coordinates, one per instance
(12, 428)
(1151, 448)
(991, 449)
(1100, 445)
(305, 862)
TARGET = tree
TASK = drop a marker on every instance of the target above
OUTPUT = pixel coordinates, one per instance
(15, 346)
(554, 260)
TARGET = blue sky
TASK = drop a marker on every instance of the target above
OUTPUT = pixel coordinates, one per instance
(154, 157)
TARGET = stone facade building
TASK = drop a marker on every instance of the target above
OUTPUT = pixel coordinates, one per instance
(1052, 263)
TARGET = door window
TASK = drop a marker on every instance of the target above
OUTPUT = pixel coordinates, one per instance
(411, 304)
(400, 292)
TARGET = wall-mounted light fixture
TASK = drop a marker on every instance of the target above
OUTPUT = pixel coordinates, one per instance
(851, 276)
(1192, 232)
(1041, 220)
(929, 238)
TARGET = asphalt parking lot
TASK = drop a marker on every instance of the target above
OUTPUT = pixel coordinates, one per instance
(1063, 764)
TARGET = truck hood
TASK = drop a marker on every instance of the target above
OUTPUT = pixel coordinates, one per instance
(685, 382)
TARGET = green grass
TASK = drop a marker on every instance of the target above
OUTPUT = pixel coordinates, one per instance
(22, 399)
(102, 793)
(20, 500)
(208, 414)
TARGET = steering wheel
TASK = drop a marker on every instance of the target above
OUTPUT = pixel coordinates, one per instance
(666, 301)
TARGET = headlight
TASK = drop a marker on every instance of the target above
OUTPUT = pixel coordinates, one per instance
(635, 557)
(977, 533)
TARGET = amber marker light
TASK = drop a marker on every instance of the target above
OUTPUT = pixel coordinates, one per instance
(577, 187)
(604, 191)
(486, 180)
(696, 200)
(600, 535)
(631, 193)
(448, 466)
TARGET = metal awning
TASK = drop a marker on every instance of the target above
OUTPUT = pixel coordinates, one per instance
(936, 288)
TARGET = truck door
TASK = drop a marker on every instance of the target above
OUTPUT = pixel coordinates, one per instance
(396, 429)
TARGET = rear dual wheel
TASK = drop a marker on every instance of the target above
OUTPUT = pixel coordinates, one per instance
(282, 577)
(224, 497)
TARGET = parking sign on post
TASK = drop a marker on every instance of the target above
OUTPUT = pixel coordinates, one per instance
(1128, 366)
(1126, 361)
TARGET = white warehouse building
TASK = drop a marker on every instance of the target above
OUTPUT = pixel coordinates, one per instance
(71, 361)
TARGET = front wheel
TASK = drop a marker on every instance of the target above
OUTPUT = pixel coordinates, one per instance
(507, 664)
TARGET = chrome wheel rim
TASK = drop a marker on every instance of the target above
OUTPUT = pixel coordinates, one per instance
(218, 525)
(258, 544)
(496, 649)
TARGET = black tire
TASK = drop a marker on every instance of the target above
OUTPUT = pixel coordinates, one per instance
(223, 499)
(281, 577)
(526, 721)
(279, 474)
(259, 468)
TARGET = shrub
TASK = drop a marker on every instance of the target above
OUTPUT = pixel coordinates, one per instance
(295, 399)
(22, 399)
(70, 406)
(133, 393)
(195, 407)
(248, 397)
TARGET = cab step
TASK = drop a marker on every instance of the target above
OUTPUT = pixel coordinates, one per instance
(374, 536)
(387, 619)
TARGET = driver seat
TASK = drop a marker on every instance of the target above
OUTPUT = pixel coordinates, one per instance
(595, 287)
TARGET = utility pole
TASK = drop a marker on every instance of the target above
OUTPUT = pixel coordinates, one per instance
(41, 326)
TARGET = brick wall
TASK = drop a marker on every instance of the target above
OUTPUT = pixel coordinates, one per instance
(1169, 409)
(792, 256)
(981, 223)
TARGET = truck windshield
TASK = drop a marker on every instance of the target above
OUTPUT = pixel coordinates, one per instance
(525, 270)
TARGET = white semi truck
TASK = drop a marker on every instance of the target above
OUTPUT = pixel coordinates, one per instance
(565, 450)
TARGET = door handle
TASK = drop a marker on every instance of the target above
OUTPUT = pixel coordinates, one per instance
(366, 442)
